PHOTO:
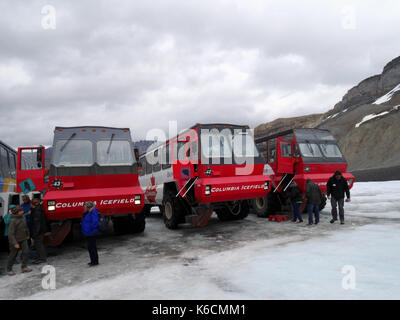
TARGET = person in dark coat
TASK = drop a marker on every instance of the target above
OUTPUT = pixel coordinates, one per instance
(18, 235)
(296, 198)
(90, 229)
(313, 195)
(38, 229)
(337, 187)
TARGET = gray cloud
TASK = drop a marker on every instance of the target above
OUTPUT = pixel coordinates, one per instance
(139, 64)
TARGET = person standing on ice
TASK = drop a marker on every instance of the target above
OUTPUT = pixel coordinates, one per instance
(296, 198)
(18, 235)
(38, 229)
(336, 188)
(313, 195)
(90, 229)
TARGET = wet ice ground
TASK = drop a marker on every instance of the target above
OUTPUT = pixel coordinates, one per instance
(248, 259)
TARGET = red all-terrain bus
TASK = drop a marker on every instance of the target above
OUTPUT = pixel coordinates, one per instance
(298, 155)
(207, 167)
(87, 164)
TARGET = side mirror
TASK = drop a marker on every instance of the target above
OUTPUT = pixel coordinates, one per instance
(136, 150)
(39, 155)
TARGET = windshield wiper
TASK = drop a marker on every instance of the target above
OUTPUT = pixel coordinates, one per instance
(111, 140)
(69, 139)
(309, 147)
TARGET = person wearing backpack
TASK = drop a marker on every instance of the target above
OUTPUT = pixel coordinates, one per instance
(90, 229)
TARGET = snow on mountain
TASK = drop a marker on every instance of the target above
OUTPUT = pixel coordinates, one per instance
(369, 117)
(372, 116)
(388, 96)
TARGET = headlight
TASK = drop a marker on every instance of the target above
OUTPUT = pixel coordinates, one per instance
(266, 185)
(350, 181)
(138, 199)
(208, 190)
(51, 205)
(307, 169)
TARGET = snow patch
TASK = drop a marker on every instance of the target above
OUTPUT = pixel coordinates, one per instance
(369, 117)
(372, 116)
(388, 96)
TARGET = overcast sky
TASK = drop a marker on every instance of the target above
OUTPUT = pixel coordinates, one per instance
(140, 64)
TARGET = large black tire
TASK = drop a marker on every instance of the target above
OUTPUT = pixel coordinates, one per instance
(146, 210)
(138, 223)
(260, 206)
(223, 214)
(171, 211)
(238, 211)
(121, 225)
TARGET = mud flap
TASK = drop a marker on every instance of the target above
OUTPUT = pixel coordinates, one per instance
(201, 218)
(58, 233)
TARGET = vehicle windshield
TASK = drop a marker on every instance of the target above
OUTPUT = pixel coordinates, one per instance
(310, 150)
(229, 146)
(114, 152)
(73, 153)
(330, 150)
(215, 145)
(243, 145)
(317, 144)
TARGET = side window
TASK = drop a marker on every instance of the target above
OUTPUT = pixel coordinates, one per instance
(181, 154)
(166, 163)
(29, 159)
(5, 168)
(286, 149)
(195, 150)
(13, 163)
(148, 166)
(143, 163)
(3, 161)
(157, 166)
(296, 152)
(272, 150)
(262, 149)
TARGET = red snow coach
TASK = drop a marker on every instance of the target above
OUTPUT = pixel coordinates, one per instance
(298, 155)
(207, 167)
(88, 164)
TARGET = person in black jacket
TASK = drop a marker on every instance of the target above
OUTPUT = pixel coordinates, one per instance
(38, 229)
(314, 196)
(336, 188)
(296, 198)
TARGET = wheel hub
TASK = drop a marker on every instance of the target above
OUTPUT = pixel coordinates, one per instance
(168, 210)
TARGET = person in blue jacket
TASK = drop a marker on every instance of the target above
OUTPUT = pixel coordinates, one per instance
(90, 229)
(6, 220)
(26, 204)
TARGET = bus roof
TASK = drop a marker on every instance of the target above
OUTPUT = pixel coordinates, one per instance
(283, 133)
(6, 146)
(91, 132)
